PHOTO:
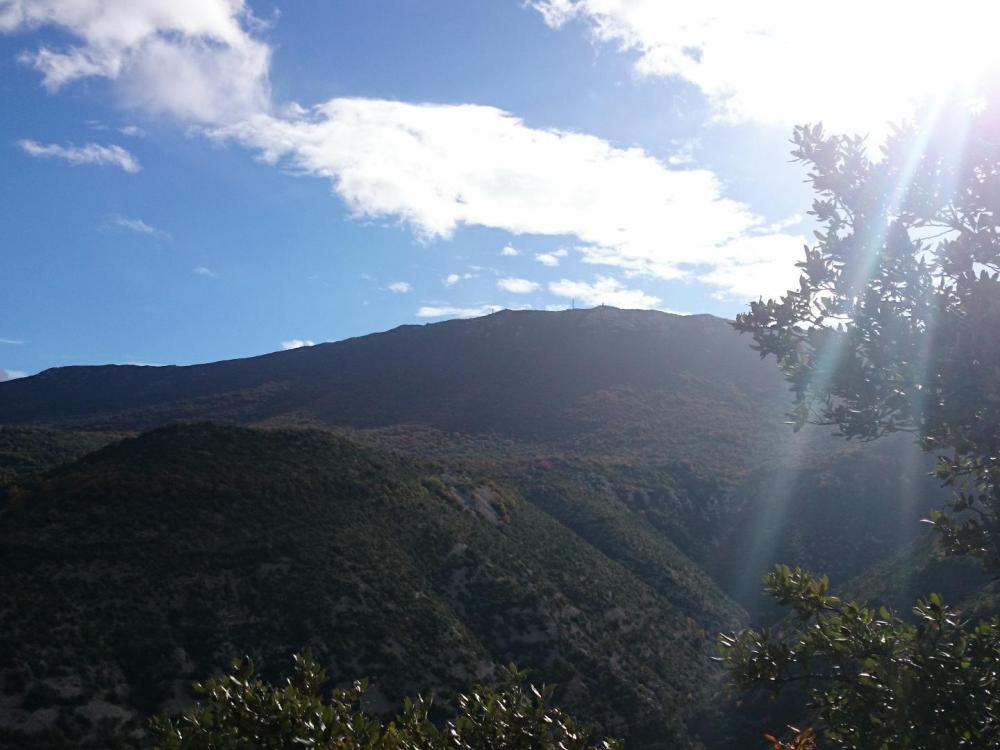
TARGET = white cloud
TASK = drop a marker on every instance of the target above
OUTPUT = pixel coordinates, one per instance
(194, 59)
(551, 259)
(136, 225)
(12, 375)
(764, 268)
(133, 225)
(683, 153)
(91, 153)
(12, 342)
(432, 167)
(605, 291)
(447, 311)
(133, 131)
(296, 343)
(453, 278)
(856, 68)
(509, 251)
(439, 167)
(517, 286)
(399, 287)
(207, 273)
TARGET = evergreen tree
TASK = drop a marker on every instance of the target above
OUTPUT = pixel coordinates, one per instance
(894, 328)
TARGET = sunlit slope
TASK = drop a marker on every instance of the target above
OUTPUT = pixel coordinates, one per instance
(152, 561)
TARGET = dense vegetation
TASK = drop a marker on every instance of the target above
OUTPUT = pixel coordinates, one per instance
(602, 553)
(157, 560)
(31, 450)
(893, 329)
(601, 382)
(243, 712)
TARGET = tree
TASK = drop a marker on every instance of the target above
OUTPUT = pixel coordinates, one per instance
(895, 327)
(874, 680)
(243, 712)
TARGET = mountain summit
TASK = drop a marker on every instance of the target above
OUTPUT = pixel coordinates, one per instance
(580, 379)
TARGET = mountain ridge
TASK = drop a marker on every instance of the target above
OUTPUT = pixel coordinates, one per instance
(564, 377)
(643, 450)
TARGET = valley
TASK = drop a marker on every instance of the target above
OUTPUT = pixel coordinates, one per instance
(590, 494)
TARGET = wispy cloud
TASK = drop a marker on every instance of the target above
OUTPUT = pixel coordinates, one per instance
(606, 290)
(136, 225)
(132, 131)
(517, 286)
(550, 259)
(400, 287)
(296, 343)
(683, 153)
(12, 374)
(91, 153)
(204, 272)
(447, 311)
(510, 251)
(453, 278)
(13, 342)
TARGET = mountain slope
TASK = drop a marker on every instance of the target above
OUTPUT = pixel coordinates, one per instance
(594, 381)
(603, 483)
(152, 561)
(31, 450)
(665, 432)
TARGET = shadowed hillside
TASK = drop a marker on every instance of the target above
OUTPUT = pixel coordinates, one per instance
(594, 381)
(153, 561)
(591, 493)
(30, 450)
(660, 424)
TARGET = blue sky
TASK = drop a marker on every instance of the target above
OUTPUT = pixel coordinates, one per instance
(193, 180)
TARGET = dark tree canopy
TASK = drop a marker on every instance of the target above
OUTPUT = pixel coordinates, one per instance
(895, 325)
(876, 681)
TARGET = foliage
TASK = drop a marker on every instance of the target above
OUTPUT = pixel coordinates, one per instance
(629, 383)
(244, 712)
(639, 447)
(25, 451)
(893, 329)
(802, 739)
(875, 680)
(162, 557)
(893, 326)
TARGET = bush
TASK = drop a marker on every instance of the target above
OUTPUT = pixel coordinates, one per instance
(243, 712)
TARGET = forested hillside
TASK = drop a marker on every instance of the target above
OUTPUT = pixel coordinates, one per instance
(592, 494)
(599, 381)
(154, 561)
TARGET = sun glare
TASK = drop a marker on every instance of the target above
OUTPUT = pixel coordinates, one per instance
(855, 67)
